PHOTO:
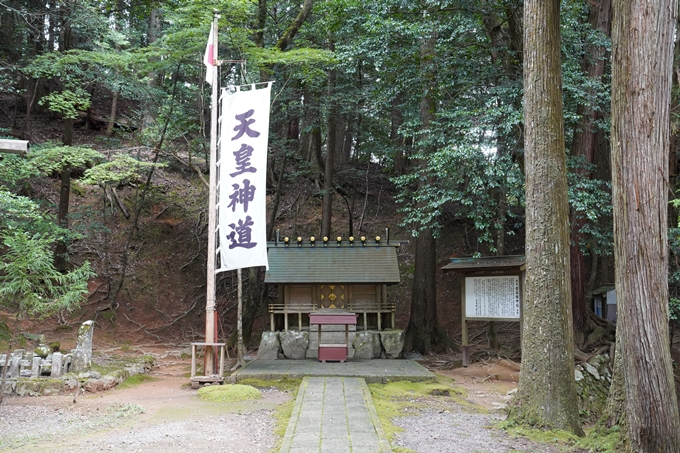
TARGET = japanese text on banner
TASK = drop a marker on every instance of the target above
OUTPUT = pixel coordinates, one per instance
(242, 179)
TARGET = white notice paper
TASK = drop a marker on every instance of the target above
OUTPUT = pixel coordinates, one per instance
(492, 297)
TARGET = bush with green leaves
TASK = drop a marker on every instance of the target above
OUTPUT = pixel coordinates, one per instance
(29, 283)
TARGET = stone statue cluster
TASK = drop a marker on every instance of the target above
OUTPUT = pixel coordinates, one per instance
(43, 362)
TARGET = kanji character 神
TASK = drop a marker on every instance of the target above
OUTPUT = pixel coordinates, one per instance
(242, 195)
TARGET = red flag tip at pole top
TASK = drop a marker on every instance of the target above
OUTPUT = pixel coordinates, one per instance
(209, 57)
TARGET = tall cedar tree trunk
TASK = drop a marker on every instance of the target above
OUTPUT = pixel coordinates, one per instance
(310, 139)
(642, 51)
(331, 152)
(547, 391)
(422, 331)
(585, 144)
(61, 248)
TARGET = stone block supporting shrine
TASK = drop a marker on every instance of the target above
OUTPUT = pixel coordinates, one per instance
(344, 277)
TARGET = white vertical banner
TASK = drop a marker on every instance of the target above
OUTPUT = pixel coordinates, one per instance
(242, 178)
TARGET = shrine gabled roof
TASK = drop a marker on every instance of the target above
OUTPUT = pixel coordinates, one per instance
(376, 264)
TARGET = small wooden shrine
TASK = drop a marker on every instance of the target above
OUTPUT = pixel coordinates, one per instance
(344, 275)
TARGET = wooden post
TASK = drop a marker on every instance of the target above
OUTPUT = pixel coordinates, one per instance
(222, 350)
(464, 329)
(522, 276)
(193, 360)
(210, 331)
(240, 360)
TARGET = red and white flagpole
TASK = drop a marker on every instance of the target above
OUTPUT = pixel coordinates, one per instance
(210, 60)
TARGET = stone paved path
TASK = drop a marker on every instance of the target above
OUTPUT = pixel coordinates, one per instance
(334, 415)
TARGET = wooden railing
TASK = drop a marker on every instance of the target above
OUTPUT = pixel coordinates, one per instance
(362, 308)
(294, 308)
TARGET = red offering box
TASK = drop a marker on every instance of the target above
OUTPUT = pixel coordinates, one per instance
(333, 352)
(332, 318)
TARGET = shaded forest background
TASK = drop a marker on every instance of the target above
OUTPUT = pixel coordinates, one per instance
(405, 115)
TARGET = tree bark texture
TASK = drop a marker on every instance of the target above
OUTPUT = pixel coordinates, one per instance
(642, 51)
(547, 390)
(422, 331)
(260, 21)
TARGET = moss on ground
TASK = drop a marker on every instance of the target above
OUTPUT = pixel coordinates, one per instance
(597, 440)
(282, 416)
(285, 384)
(229, 393)
(135, 380)
(542, 436)
(406, 398)
(602, 440)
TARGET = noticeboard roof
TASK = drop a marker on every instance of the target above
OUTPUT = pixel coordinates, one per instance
(603, 289)
(371, 264)
(13, 146)
(488, 263)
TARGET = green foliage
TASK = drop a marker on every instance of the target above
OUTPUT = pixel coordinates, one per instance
(15, 171)
(467, 182)
(674, 308)
(52, 158)
(304, 56)
(590, 201)
(21, 214)
(5, 331)
(29, 283)
(674, 270)
(67, 102)
(121, 169)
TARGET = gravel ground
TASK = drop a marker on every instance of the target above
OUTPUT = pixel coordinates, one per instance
(165, 416)
(98, 425)
(459, 431)
(165, 419)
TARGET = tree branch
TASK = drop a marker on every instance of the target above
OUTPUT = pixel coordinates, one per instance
(294, 27)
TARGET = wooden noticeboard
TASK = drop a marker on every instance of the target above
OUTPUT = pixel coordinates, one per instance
(492, 290)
